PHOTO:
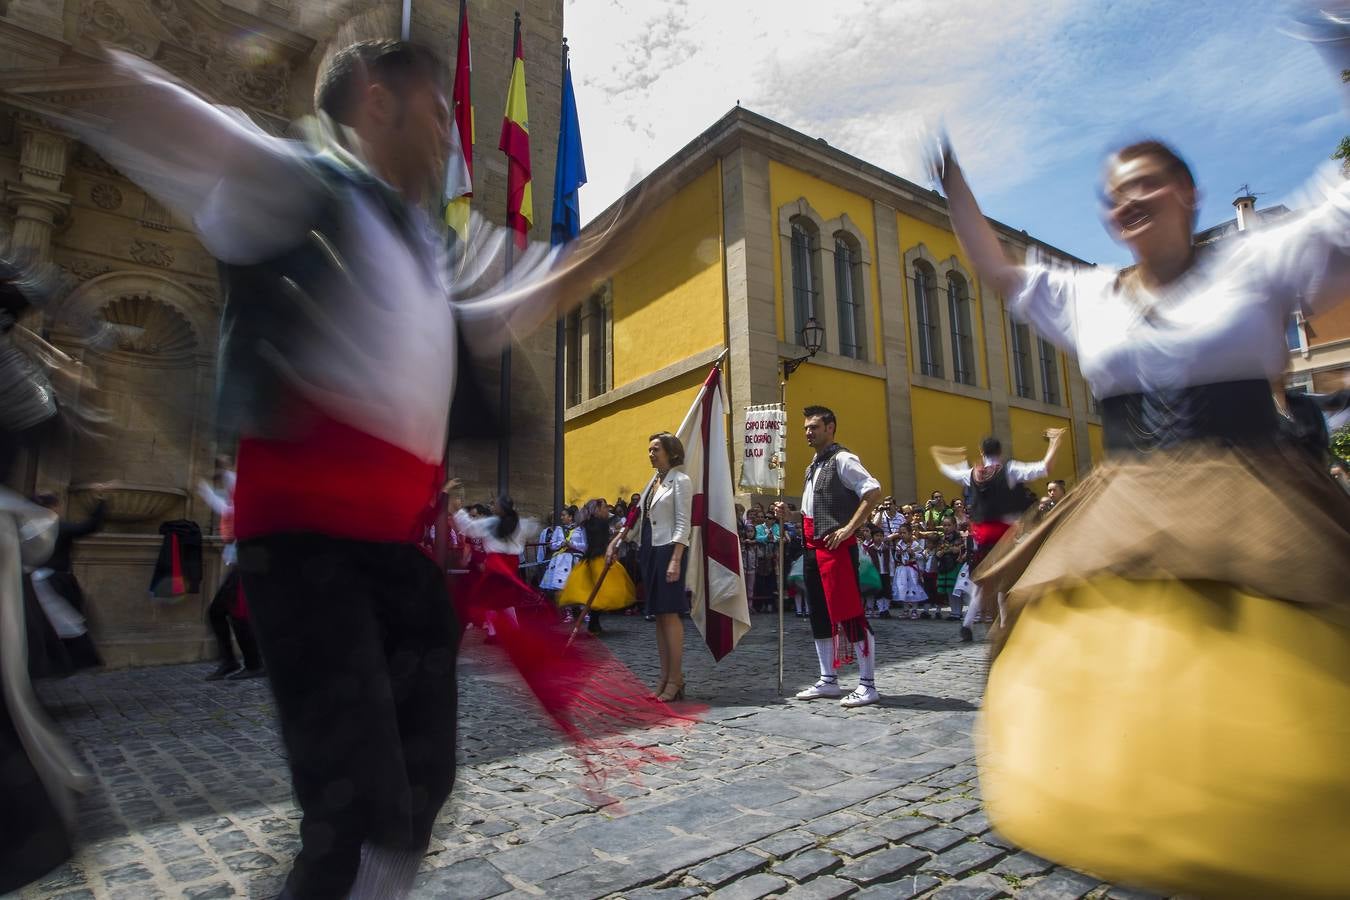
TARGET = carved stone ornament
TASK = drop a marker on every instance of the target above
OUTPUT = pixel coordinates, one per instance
(105, 196)
(103, 19)
(151, 253)
(85, 269)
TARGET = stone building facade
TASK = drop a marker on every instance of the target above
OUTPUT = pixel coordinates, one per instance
(135, 265)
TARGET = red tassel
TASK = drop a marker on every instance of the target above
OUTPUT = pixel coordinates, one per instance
(177, 583)
(589, 695)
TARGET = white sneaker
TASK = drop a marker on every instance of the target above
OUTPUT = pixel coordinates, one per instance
(821, 688)
(861, 696)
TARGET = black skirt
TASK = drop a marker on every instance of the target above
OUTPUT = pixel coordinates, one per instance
(662, 596)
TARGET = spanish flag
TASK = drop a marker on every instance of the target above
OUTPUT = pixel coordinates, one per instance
(515, 143)
(459, 164)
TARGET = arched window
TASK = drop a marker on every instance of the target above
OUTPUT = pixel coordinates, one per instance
(849, 297)
(963, 333)
(927, 321)
(1049, 372)
(805, 249)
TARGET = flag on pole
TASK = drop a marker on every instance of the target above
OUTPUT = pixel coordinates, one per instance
(570, 172)
(515, 143)
(719, 608)
(459, 165)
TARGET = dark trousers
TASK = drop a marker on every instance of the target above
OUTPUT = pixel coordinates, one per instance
(218, 614)
(360, 643)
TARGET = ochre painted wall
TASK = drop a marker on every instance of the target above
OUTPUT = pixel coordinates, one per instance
(859, 403)
(607, 449)
(1095, 444)
(944, 420)
(668, 302)
(1028, 443)
(787, 185)
(941, 245)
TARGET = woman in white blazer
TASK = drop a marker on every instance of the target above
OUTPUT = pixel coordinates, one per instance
(662, 530)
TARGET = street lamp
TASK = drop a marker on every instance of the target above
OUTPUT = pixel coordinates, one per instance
(813, 338)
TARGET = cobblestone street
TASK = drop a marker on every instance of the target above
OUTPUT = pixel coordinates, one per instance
(770, 797)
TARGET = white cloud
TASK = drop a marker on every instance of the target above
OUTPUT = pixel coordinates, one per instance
(1024, 87)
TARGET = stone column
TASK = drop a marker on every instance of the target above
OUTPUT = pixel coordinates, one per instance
(748, 232)
(38, 201)
(895, 350)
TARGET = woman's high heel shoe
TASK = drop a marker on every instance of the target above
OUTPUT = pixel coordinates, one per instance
(674, 690)
(659, 690)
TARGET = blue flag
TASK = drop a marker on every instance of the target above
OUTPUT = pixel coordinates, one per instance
(570, 172)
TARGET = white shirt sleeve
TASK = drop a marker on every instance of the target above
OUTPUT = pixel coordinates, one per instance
(1047, 302)
(853, 475)
(1025, 471)
(959, 474)
(249, 195)
(1307, 262)
(468, 526)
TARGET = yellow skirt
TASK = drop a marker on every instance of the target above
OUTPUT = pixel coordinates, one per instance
(618, 591)
(1174, 735)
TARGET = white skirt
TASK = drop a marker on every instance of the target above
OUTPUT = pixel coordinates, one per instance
(961, 590)
(557, 570)
(907, 586)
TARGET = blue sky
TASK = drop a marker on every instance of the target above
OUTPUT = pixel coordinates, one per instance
(1033, 94)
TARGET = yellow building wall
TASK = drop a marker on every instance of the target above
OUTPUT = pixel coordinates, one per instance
(859, 403)
(1095, 446)
(787, 185)
(944, 420)
(606, 450)
(668, 297)
(1029, 444)
(942, 244)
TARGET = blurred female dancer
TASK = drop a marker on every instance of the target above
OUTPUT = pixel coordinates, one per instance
(1170, 702)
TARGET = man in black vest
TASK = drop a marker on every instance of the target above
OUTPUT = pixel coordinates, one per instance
(838, 497)
(998, 496)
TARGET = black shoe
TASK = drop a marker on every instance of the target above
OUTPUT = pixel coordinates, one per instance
(967, 636)
(242, 674)
(594, 628)
(224, 670)
(884, 614)
(650, 618)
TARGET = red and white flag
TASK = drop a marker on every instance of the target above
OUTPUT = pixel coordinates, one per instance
(720, 608)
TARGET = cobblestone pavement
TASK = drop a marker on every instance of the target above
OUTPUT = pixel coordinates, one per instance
(770, 798)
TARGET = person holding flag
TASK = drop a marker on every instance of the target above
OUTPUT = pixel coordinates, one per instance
(838, 497)
(663, 530)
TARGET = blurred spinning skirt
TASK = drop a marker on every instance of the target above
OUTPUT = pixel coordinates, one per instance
(617, 592)
(1178, 735)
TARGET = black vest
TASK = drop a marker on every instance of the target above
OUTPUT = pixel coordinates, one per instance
(994, 500)
(265, 320)
(832, 503)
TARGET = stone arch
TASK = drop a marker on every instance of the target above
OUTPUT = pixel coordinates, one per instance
(92, 297)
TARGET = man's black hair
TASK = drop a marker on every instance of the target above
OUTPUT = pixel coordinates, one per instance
(509, 520)
(824, 412)
(396, 64)
(1060, 482)
(991, 447)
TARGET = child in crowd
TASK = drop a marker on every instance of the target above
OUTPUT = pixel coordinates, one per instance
(907, 581)
(951, 555)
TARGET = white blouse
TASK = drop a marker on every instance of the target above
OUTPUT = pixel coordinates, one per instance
(1223, 320)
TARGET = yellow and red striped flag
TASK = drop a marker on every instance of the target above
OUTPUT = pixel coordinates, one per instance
(515, 143)
(459, 165)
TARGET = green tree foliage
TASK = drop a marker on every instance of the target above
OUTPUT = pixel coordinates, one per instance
(1340, 443)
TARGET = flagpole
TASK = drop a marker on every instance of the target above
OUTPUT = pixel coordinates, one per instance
(782, 540)
(559, 352)
(405, 32)
(504, 390)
